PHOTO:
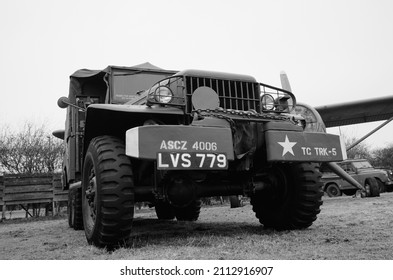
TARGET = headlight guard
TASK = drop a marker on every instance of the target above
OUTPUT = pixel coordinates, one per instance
(276, 100)
(163, 94)
(167, 92)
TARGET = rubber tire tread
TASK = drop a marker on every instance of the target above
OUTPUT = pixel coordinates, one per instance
(70, 208)
(74, 209)
(374, 187)
(299, 208)
(77, 210)
(115, 192)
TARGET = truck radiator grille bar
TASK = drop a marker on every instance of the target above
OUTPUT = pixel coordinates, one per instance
(235, 95)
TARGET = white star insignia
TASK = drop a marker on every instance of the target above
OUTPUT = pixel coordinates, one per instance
(287, 145)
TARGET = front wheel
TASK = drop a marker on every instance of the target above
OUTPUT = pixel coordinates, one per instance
(74, 209)
(107, 193)
(333, 190)
(293, 198)
(70, 208)
(372, 188)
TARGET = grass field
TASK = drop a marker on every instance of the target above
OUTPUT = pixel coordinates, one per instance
(347, 228)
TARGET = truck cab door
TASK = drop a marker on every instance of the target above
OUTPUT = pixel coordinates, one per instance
(75, 128)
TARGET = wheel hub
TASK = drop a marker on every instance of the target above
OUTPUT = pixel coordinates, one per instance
(91, 195)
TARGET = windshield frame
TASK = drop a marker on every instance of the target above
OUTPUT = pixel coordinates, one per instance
(144, 79)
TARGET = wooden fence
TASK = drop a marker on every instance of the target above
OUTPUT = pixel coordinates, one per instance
(31, 190)
(1, 191)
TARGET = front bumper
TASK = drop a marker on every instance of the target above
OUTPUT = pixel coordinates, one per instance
(145, 142)
(204, 147)
(304, 146)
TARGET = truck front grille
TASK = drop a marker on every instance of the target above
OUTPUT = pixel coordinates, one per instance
(236, 95)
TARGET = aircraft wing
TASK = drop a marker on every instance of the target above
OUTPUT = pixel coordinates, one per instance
(370, 110)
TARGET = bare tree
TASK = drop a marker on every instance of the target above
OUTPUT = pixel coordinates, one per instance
(361, 150)
(384, 157)
(31, 150)
(379, 157)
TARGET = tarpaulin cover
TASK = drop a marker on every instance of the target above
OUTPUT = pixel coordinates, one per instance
(85, 73)
(95, 82)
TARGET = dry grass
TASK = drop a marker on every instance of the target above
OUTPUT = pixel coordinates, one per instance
(347, 228)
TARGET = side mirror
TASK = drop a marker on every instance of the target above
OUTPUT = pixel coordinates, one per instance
(59, 133)
(63, 102)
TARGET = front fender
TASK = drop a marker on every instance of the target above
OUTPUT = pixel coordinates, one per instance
(115, 120)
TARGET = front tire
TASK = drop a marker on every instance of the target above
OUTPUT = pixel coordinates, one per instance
(293, 199)
(70, 208)
(75, 216)
(333, 190)
(107, 193)
(372, 187)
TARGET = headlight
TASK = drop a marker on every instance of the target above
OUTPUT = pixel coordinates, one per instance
(169, 91)
(163, 94)
(281, 104)
(267, 102)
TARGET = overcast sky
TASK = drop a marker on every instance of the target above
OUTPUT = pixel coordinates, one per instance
(333, 51)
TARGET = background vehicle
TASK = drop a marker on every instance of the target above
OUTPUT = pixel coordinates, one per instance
(361, 170)
(144, 134)
(390, 176)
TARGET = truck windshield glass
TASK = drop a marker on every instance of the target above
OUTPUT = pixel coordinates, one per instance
(362, 164)
(126, 86)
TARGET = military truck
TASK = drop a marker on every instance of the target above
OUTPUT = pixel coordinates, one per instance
(170, 138)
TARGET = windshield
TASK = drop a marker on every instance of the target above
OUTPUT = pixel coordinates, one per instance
(362, 164)
(127, 86)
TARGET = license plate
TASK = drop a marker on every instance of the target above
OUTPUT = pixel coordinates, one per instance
(191, 161)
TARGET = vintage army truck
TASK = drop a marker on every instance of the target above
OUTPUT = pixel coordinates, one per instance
(169, 138)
